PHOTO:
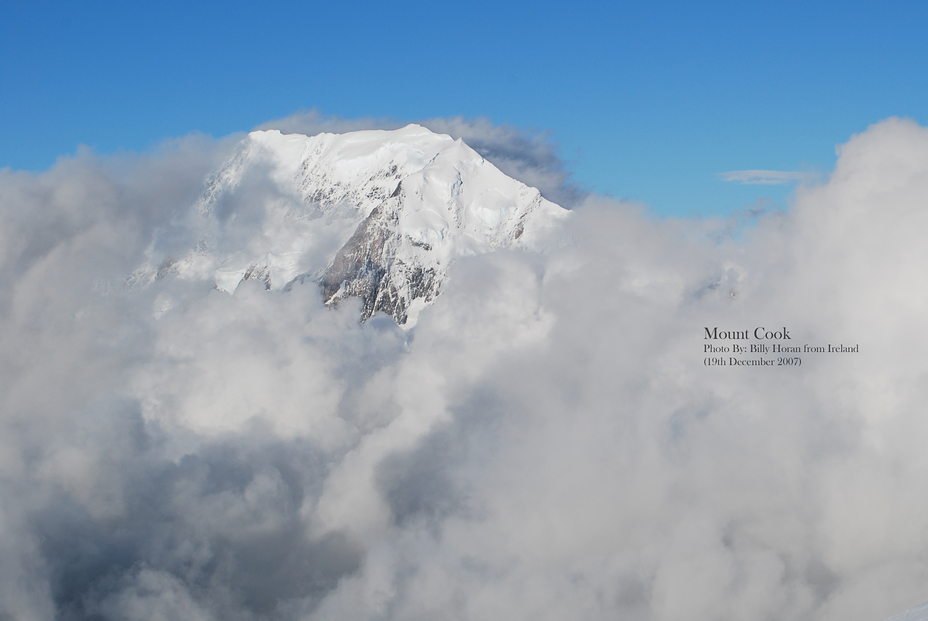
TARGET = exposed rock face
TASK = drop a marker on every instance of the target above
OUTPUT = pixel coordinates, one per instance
(372, 267)
(378, 215)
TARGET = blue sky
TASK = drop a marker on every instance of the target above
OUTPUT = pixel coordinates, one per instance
(647, 101)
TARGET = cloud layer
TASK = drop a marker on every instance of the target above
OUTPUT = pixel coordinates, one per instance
(545, 444)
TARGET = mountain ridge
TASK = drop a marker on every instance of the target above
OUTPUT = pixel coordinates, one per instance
(379, 214)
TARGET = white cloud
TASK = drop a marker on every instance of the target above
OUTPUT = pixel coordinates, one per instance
(545, 444)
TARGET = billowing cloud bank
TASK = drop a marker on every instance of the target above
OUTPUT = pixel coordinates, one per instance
(545, 444)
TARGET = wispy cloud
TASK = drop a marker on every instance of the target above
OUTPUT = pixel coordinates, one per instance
(768, 177)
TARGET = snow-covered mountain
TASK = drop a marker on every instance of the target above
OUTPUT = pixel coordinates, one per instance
(379, 215)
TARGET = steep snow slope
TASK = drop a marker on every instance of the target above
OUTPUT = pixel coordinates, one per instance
(379, 215)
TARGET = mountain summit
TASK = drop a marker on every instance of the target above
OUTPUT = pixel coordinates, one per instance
(378, 215)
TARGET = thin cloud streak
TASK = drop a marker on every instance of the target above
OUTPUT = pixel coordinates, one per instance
(768, 177)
